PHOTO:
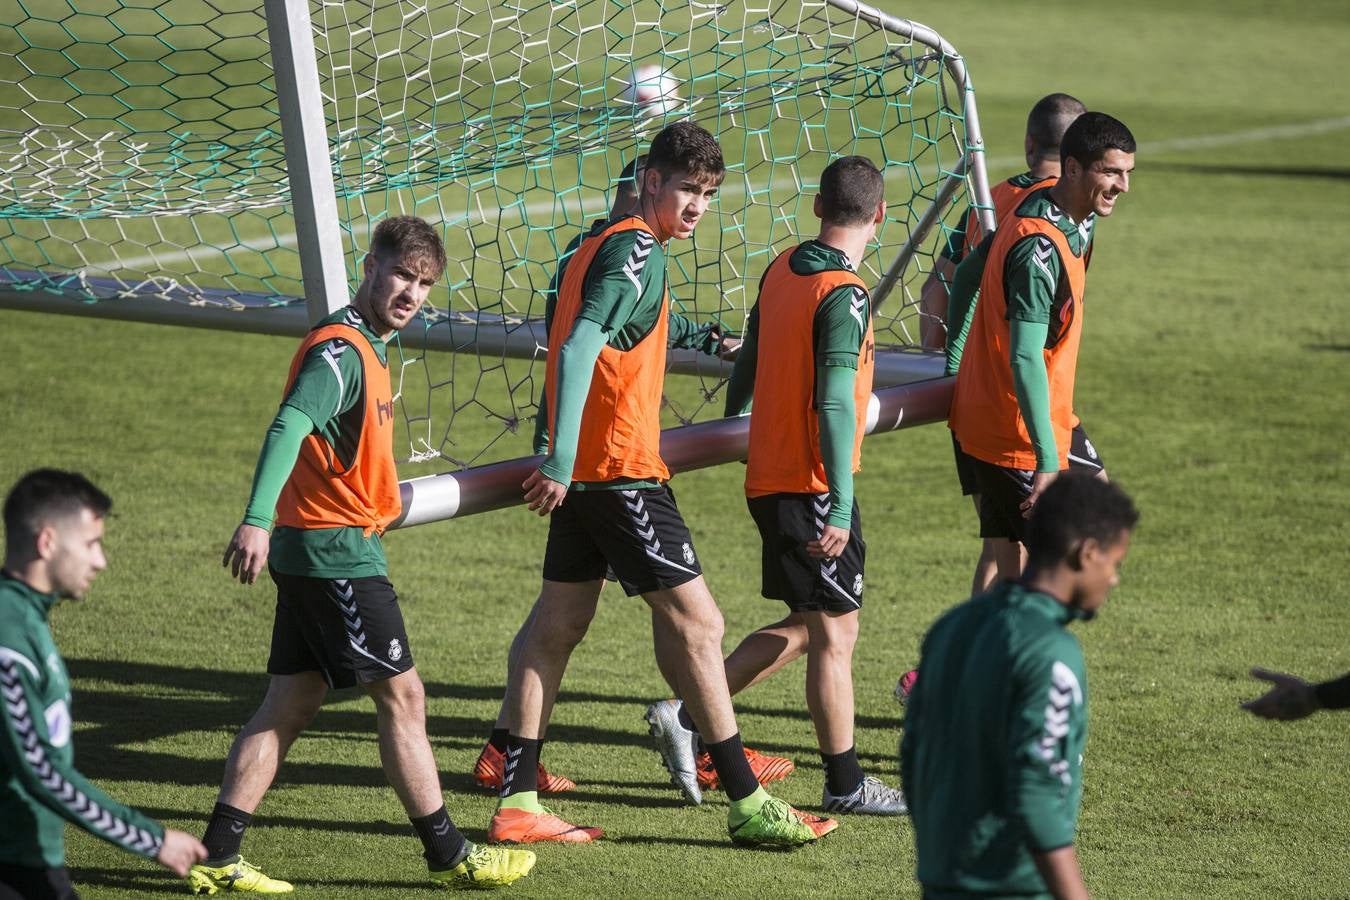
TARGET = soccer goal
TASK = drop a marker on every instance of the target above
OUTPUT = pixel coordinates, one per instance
(148, 176)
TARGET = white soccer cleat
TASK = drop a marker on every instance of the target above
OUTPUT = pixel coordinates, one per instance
(678, 747)
(871, 798)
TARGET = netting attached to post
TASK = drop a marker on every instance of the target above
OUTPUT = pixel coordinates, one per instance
(144, 164)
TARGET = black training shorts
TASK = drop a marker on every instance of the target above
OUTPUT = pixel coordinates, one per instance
(1002, 491)
(637, 534)
(350, 629)
(786, 523)
(1083, 453)
(965, 469)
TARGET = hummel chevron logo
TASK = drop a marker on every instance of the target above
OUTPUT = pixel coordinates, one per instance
(442, 829)
(856, 307)
(642, 248)
(1041, 256)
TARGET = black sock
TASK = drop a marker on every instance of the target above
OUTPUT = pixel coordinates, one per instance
(442, 844)
(498, 740)
(520, 773)
(225, 832)
(728, 759)
(843, 773)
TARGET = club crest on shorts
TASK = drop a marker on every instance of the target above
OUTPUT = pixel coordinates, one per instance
(857, 585)
(688, 554)
(395, 650)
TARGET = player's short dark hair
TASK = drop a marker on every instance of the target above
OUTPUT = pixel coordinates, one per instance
(850, 189)
(1049, 119)
(627, 187)
(689, 149)
(43, 496)
(1091, 135)
(412, 239)
(1076, 506)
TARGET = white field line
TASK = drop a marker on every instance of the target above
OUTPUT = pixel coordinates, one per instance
(591, 207)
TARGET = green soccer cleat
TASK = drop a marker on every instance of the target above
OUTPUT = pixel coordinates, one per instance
(775, 825)
(486, 867)
(240, 875)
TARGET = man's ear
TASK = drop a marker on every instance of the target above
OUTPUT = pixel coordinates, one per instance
(1076, 558)
(1070, 168)
(46, 542)
(818, 207)
(881, 213)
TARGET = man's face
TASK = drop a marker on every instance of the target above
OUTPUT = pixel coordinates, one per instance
(1100, 571)
(397, 288)
(73, 549)
(1106, 179)
(677, 202)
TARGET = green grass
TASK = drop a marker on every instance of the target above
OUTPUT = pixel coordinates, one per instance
(1213, 378)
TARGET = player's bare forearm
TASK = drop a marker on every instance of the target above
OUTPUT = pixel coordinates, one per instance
(1062, 877)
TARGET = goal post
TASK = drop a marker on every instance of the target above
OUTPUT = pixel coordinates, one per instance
(147, 176)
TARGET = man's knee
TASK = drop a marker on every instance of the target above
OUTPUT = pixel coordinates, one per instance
(400, 698)
(832, 633)
(689, 613)
(292, 702)
(562, 614)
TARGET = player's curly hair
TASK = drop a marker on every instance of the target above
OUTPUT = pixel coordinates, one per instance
(411, 239)
(850, 189)
(1075, 507)
(686, 148)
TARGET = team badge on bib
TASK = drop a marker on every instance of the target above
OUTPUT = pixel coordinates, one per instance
(395, 650)
(688, 554)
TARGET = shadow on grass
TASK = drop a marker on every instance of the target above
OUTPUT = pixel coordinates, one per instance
(164, 883)
(1255, 171)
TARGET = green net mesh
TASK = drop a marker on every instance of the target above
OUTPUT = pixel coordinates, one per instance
(143, 158)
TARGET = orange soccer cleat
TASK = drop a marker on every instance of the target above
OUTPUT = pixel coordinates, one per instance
(520, 826)
(488, 773)
(767, 769)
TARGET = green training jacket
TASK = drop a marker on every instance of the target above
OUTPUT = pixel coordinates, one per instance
(992, 755)
(40, 789)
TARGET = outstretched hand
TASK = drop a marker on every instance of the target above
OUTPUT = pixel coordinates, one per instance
(543, 494)
(246, 553)
(1290, 698)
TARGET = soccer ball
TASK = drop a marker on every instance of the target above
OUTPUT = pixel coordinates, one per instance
(652, 91)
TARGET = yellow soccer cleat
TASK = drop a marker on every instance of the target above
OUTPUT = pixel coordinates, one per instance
(486, 867)
(240, 875)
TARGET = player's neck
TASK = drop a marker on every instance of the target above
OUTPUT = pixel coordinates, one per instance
(1068, 200)
(29, 572)
(1042, 168)
(647, 213)
(1057, 582)
(852, 242)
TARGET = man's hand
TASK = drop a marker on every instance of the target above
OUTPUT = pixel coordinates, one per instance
(1039, 482)
(246, 554)
(543, 494)
(830, 544)
(728, 346)
(1291, 698)
(179, 852)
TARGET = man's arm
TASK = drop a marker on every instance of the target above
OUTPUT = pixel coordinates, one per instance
(965, 293)
(741, 387)
(933, 302)
(328, 384)
(1043, 780)
(28, 756)
(1032, 276)
(1292, 698)
(839, 329)
(611, 292)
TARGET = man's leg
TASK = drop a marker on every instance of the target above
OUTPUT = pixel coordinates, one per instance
(561, 617)
(488, 769)
(257, 753)
(764, 651)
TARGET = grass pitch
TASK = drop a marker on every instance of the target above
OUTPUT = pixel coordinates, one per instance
(1213, 378)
